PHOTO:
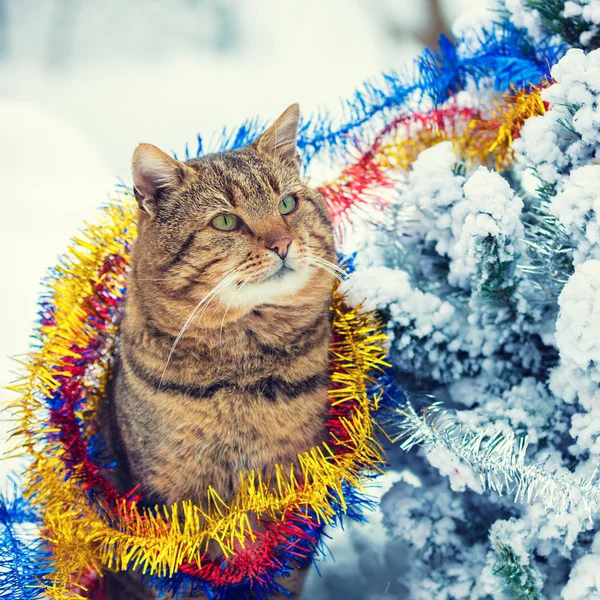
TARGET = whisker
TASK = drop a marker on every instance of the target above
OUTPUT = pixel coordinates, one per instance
(230, 275)
(332, 265)
(327, 269)
(205, 308)
(315, 256)
(201, 313)
(235, 293)
(327, 266)
(332, 273)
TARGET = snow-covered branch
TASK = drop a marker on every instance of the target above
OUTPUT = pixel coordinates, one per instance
(498, 459)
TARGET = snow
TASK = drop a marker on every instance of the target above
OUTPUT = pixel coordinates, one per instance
(587, 10)
(493, 212)
(429, 521)
(577, 377)
(526, 407)
(578, 325)
(577, 206)
(527, 19)
(381, 287)
(568, 135)
(460, 474)
(584, 581)
(435, 191)
(456, 213)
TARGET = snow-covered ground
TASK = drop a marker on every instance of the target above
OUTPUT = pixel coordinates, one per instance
(81, 86)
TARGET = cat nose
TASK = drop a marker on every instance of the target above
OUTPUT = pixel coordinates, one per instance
(280, 246)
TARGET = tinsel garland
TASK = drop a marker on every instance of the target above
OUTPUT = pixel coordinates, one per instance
(479, 136)
(89, 525)
(501, 55)
(22, 556)
(499, 459)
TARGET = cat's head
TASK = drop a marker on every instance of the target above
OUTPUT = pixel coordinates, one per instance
(240, 224)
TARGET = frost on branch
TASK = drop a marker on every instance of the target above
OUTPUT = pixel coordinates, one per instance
(510, 567)
(490, 238)
(474, 222)
(577, 207)
(577, 377)
(489, 283)
(449, 540)
(577, 22)
(578, 324)
(568, 135)
(584, 579)
(436, 191)
(455, 301)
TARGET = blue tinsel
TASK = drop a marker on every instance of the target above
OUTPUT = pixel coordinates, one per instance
(502, 55)
(23, 558)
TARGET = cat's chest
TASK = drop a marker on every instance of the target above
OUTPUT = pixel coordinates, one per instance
(239, 426)
(244, 406)
(212, 444)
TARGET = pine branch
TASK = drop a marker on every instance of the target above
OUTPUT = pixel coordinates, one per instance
(498, 459)
(549, 246)
(568, 28)
(519, 579)
(494, 283)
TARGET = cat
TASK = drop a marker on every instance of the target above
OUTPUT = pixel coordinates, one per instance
(223, 351)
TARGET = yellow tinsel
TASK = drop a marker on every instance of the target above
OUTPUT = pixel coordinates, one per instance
(489, 141)
(82, 535)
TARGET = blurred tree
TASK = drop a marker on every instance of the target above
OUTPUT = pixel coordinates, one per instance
(423, 23)
(61, 27)
(3, 29)
(102, 31)
(438, 24)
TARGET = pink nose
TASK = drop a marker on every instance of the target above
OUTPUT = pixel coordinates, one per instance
(280, 246)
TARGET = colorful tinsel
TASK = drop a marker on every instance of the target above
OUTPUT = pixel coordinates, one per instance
(480, 137)
(89, 525)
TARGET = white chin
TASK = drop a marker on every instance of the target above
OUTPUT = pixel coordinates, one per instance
(267, 292)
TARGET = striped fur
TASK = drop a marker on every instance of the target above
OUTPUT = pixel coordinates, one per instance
(244, 386)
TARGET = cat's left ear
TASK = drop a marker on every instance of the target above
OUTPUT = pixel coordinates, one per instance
(279, 141)
(155, 175)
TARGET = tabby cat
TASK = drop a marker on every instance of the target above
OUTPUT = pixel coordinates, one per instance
(224, 340)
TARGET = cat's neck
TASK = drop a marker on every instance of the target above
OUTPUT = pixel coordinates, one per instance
(219, 329)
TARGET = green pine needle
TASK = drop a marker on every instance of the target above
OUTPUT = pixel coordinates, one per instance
(569, 29)
(519, 579)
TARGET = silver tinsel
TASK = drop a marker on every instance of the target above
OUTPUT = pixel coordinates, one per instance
(499, 460)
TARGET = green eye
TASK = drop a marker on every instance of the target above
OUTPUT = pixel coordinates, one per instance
(287, 205)
(225, 222)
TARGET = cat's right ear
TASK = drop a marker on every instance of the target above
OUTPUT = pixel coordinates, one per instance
(154, 174)
(279, 140)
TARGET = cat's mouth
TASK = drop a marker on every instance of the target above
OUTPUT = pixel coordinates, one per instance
(286, 280)
(280, 274)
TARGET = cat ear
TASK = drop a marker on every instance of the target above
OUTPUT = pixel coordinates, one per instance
(279, 141)
(154, 172)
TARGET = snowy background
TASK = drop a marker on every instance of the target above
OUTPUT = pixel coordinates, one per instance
(82, 83)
